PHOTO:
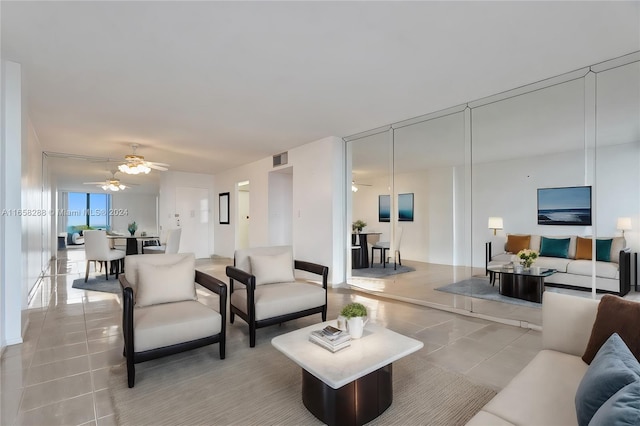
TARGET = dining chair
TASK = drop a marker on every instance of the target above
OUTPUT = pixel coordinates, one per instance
(383, 246)
(96, 248)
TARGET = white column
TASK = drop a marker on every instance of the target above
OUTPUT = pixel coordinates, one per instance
(10, 203)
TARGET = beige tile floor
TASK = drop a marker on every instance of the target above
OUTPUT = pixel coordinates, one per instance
(59, 375)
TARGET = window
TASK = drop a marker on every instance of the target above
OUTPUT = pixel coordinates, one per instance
(88, 209)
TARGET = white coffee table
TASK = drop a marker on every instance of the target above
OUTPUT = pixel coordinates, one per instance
(351, 386)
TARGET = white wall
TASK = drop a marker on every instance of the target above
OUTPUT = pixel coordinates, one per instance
(35, 225)
(318, 204)
(140, 208)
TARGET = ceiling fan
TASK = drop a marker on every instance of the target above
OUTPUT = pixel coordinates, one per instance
(354, 185)
(111, 184)
(135, 164)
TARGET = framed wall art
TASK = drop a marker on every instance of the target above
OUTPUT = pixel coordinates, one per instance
(223, 208)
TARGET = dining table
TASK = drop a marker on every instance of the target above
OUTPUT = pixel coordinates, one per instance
(360, 249)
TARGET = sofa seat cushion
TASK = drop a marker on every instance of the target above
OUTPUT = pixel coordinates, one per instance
(168, 324)
(603, 269)
(542, 393)
(482, 418)
(272, 300)
(556, 263)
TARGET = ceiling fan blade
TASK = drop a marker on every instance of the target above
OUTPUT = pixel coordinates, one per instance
(155, 166)
(155, 163)
(93, 183)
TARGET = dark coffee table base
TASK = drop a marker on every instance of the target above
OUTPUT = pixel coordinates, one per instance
(355, 403)
(525, 287)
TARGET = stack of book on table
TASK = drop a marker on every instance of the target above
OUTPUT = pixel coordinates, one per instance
(331, 338)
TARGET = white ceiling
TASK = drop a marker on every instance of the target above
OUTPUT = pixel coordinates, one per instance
(207, 86)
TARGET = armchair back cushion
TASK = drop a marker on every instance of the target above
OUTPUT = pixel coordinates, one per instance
(269, 269)
(243, 257)
(161, 278)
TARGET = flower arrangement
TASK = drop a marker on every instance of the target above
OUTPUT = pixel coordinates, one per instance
(527, 257)
(132, 227)
(358, 225)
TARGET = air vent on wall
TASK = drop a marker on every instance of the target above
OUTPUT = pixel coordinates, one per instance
(280, 159)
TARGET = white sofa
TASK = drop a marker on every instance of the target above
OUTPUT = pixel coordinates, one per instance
(613, 276)
(543, 392)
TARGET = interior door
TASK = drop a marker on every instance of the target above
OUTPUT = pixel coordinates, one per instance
(192, 209)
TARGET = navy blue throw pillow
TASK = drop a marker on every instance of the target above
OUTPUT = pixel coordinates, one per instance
(622, 409)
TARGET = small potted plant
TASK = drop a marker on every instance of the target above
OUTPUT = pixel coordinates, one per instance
(358, 225)
(355, 315)
(132, 227)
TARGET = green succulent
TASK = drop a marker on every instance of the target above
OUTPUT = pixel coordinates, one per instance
(353, 310)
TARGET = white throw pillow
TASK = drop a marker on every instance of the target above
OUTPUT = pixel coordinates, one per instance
(270, 269)
(166, 283)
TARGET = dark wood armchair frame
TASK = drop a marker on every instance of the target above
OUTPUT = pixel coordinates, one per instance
(250, 282)
(133, 357)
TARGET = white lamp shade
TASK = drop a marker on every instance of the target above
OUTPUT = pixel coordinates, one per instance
(624, 224)
(495, 223)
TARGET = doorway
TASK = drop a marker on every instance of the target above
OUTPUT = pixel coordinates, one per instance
(281, 207)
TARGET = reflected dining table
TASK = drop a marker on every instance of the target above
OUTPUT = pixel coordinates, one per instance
(132, 241)
(360, 249)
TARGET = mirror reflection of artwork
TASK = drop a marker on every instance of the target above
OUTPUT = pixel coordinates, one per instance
(384, 208)
(564, 206)
(405, 207)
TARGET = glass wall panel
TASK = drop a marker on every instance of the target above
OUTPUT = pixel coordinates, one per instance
(429, 170)
(370, 205)
(520, 145)
(556, 162)
(617, 195)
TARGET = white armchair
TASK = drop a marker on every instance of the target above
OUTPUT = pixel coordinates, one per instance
(264, 291)
(161, 314)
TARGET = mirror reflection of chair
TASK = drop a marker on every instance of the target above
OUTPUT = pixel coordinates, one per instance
(96, 248)
(161, 313)
(168, 246)
(383, 246)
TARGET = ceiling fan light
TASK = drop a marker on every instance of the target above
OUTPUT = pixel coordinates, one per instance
(105, 187)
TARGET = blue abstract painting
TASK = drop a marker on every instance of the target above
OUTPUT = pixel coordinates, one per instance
(405, 207)
(564, 206)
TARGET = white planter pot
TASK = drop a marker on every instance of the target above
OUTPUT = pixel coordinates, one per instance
(355, 326)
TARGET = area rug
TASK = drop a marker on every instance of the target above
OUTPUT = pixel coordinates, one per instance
(379, 272)
(260, 386)
(98, 283)
(482, 289)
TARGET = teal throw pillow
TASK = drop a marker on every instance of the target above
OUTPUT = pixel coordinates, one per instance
(603, 250)
(554, 247)
(622, 409)
(613, 368)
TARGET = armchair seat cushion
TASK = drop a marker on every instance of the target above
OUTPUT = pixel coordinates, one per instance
(168, 324)
(272, 300)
